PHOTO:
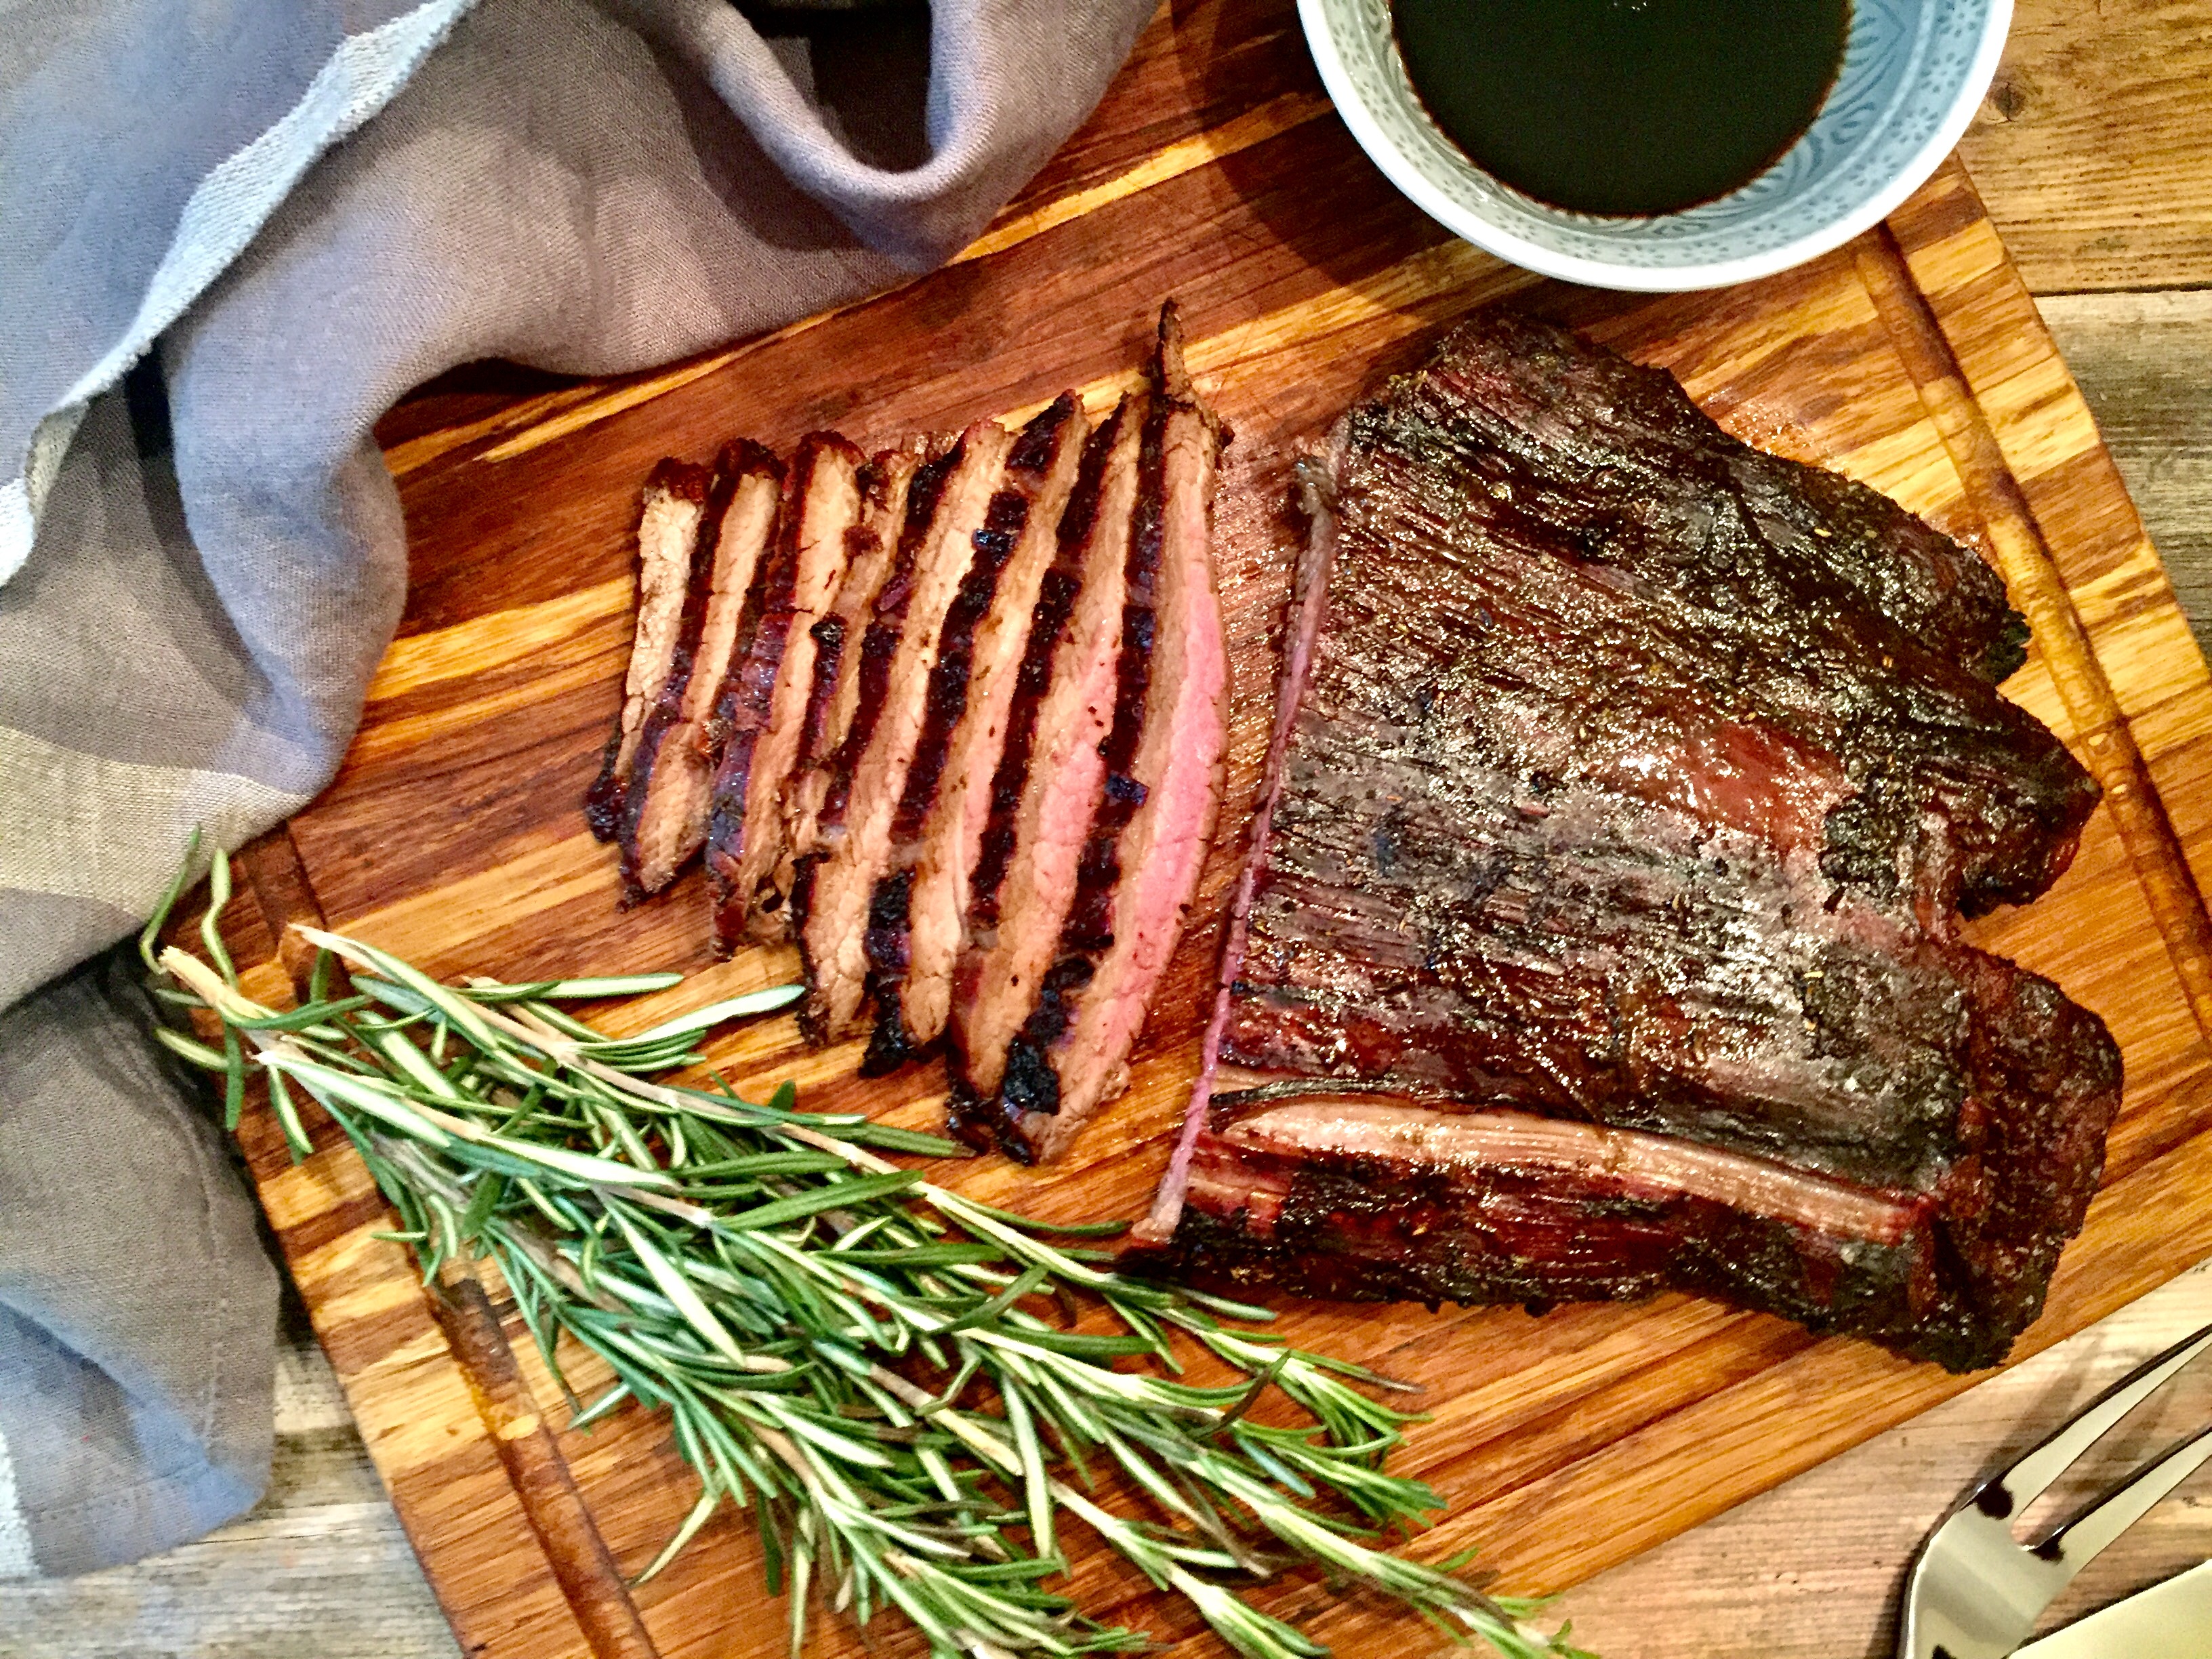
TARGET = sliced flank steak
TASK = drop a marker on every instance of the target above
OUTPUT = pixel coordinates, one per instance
(1051, 776)
(670, 507)
(946, 506)
(665, 811)
(871, 554)
(921, 901)
(763, 704)
(1164, 760)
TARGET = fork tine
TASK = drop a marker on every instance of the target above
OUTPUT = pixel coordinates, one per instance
(2029, 1477)
(2078, 1542)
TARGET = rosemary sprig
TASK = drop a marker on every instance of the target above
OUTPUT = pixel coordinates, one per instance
(844, 1348)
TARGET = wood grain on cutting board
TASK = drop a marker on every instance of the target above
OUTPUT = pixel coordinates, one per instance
(1564, 1443)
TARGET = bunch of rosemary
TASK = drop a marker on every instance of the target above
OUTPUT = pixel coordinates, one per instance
(852, 1352)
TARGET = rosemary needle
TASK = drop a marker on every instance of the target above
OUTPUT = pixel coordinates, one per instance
(844, 1349)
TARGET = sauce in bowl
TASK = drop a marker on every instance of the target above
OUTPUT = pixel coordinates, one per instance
(1627, 108)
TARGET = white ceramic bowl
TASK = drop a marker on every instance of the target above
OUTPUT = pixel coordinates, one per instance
(1912, 75)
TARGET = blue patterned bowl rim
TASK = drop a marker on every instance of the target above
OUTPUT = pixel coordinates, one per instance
(1914, 72)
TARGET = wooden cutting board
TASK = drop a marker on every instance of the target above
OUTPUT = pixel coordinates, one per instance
(1214, 173)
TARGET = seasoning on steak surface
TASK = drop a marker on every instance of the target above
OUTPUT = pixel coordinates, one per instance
(665, 812)
(670, 507)
(1637, 784)
(1162, 790)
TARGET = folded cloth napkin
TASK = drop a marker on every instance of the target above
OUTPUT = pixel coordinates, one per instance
(285, 217)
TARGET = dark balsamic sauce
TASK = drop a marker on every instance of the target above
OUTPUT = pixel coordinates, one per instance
(1627, 108)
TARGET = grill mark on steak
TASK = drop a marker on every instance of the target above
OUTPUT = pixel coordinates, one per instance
(1604, 802)
(916, 916)
(764, 702)
(1164, 772)
(872, 551)
(1052, 775)
(671, 506)
(945, 505)
(665, 814)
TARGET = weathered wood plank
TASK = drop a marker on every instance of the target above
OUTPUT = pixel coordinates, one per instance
(2144, 362)
(2091, 147)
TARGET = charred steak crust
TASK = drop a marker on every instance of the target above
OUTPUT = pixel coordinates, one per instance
(1373, 1230)
(670, 505)
(1638, 780)
(1620, 432)
(676, 711)
(1033, 457)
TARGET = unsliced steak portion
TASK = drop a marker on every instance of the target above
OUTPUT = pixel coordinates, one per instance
(1624, 792)
(1051, 776)
(665, 811)
(921, 901)
(870, 552)
(1164, 775)
(1368, 1199)
(946, 506)
(762, 711)
(671, 506)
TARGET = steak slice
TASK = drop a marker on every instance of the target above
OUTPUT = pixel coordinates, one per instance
(665, 814)
(920, 903)
(1611, 798)
(762, 711)
(870, 552)
(1051, 776)
(946, 506)
(671, 506)
(1164, 772)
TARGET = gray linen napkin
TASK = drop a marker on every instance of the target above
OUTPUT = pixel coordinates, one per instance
(202, 565)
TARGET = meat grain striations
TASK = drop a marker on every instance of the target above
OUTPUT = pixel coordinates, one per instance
(1634, 790)
(666, 809)
(947, 505)
(920, 901)
(1163, 759)
(1051, 775)
(762, 715)
(670, 508)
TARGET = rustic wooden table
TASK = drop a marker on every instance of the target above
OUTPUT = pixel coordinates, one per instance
(2095, 154)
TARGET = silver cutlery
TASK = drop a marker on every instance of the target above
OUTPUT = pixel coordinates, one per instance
(1975, 1590)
